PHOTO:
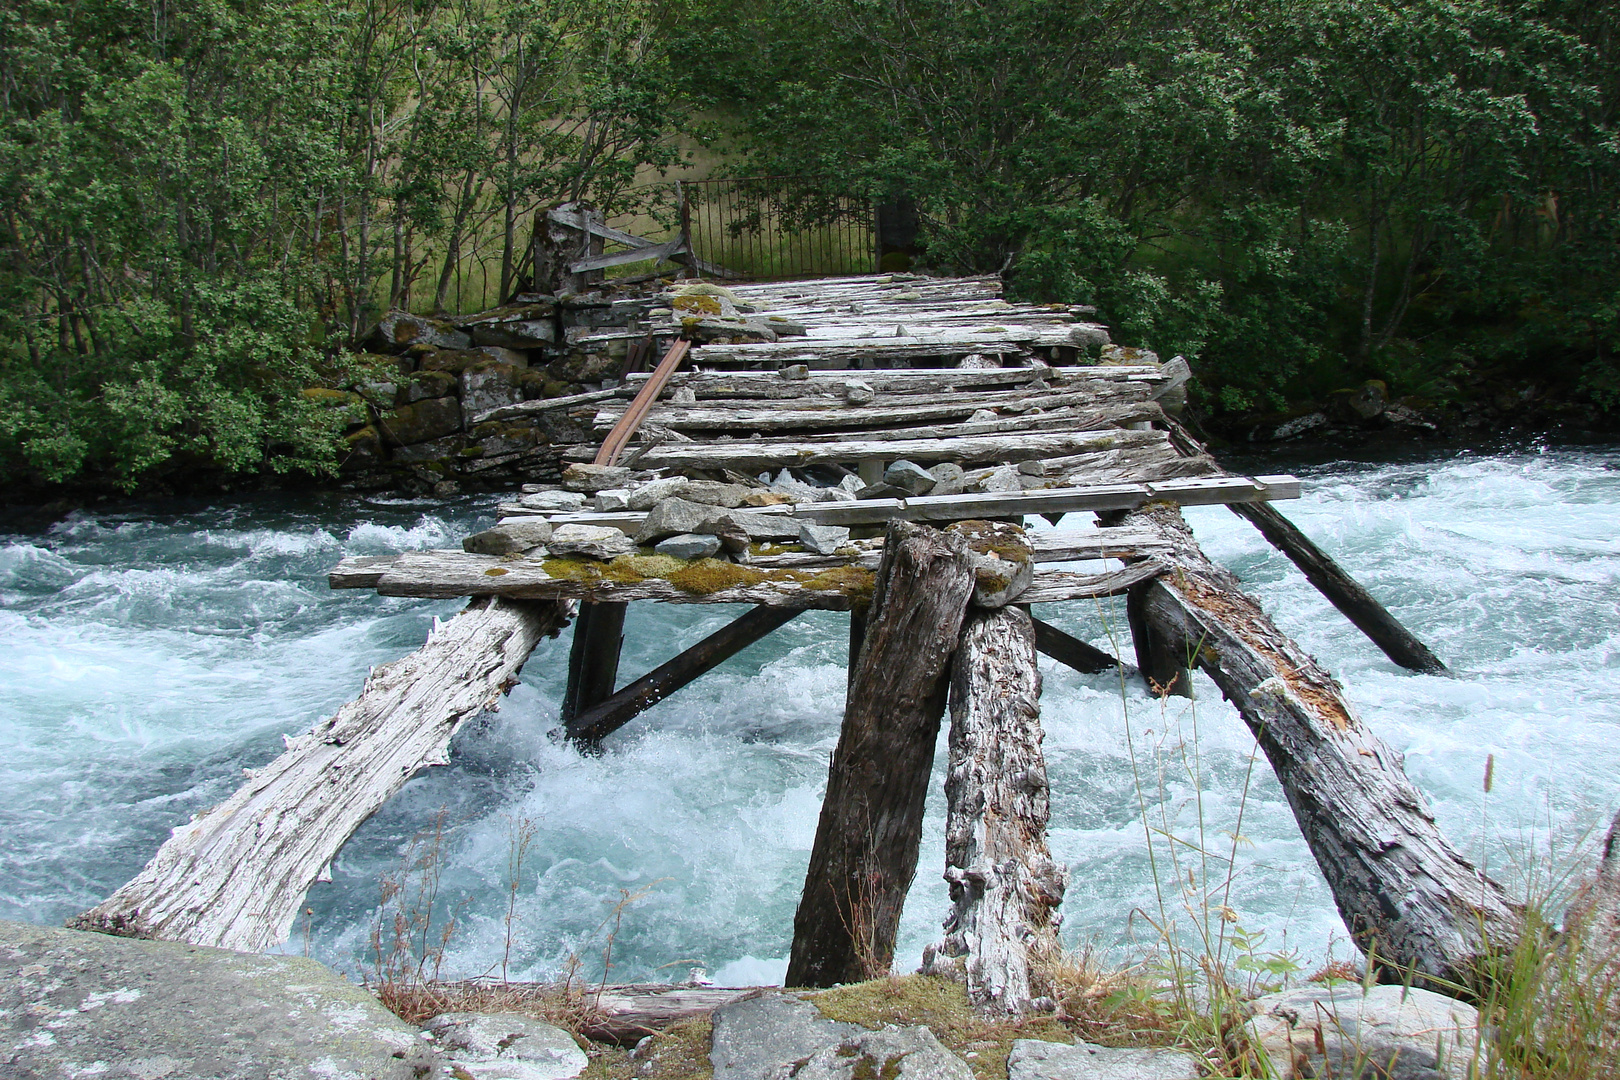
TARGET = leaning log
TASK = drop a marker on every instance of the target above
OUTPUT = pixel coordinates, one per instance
(865, 851)
(1070, 651)
(1416, 907)
(1005, 888)
(235, 876)
(1341, 590)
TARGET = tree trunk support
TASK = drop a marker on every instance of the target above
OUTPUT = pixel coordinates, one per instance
(593, 659)
(1005, 888)
(857, 636)
(1343, 591)
(1161, 668)
(591, 725)
(1412, 903)
(235, 876)
(865, 852)
(1071, 651)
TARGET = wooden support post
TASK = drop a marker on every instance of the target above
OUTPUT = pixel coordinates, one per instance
(236, 875)
(1161, 668)
(1071, 651)
(1343, 591)
(865, 852)
(1412, 903)
(1005, 888)
(593, 659)
(592, 724)
(857, 637)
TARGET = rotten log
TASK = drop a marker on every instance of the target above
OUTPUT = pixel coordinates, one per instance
(1341, 590)
(235, 876)
(1413, 904)
(592, 724)
(865, 851)
(1005, 887)
(1070, 651)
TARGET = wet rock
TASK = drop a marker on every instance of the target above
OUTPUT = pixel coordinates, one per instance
(947, 479)
(822, 539)
(401, 328)
(1032, 1059)
(909, 477)
(594, 478)
(756, 1037)
(895, 1053)
(1384, 1031)
(504, 1046)
(509, 538)
(70, 999)
(431, 418)
(688, 546)
(593, 541)
(553, 500)
(671, 517)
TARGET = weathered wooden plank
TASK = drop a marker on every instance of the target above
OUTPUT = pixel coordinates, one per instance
(1005, 886)
(359, 571)
(540, 405)
(1110, 418)
(1411, 901)
(1070, 651)
(1343, 591)
(235, 876)
(592, 725)
(1053, 585)
(865, 851)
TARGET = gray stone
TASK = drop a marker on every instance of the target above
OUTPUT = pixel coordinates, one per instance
(851, 483)
(895, 1053)
(505, 1046)
(596, 541)
(1003, 560)
(754, 1038)
(979, 416)
(1002, 478)
(715, 493)
(1032, 467)
(684, 395)
(822, 539)
(509, 538)
(487, 386)
(517, 334)
(947, 478)
(788, 484)
(1087, 334)
(689, 546)
(672, 517)
(835, 494)
(909, 477)
(553, 500)
(978, 362)
(1128, 354)
(757, 526)
(506, 356)
(612, 499)
(401, 328)
(795, 372)
(648, 495)
(858, 393)
(82, 1004)
(1386, 1031)
(1032, 1059)
(1299, 425)
(594, 478)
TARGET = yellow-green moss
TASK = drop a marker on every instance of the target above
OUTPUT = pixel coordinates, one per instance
(707, 576)
(495, 571)
(855, 582)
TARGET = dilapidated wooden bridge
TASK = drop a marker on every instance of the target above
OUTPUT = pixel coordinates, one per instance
(875, 446)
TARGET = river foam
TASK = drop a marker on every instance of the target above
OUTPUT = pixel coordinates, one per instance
(154, 653)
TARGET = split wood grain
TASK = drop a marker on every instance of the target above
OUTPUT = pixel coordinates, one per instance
(234, 877)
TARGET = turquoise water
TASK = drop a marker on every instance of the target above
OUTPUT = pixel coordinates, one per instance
(153, 653)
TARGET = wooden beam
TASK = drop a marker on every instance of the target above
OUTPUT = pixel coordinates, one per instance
(1071, 651)
(1156, 660)
(234, 877)
(1411, 901)
(1343, 591)
(592, 724)
(593, 658)
(865, 852)
(1005, 886)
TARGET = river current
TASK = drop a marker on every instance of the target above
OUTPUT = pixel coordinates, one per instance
(150, 654)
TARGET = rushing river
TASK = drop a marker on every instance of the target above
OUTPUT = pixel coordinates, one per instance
(152, 654)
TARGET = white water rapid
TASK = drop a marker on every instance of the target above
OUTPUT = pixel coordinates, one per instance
(152, 654)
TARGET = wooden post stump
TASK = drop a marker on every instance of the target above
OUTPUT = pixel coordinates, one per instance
(1005, 888)
(865, 852)
(1412, 903)
(593, 658)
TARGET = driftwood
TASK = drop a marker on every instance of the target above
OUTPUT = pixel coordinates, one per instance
(627, 1014)
(1412, 903)
(1005, 888)
(235, 875)
(1343, 591)
(592, 724)
(865, 851)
